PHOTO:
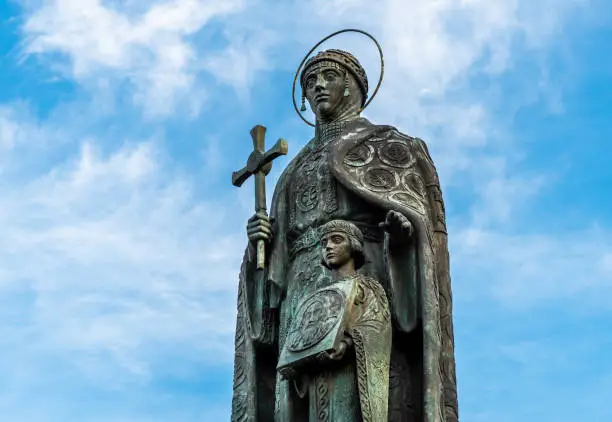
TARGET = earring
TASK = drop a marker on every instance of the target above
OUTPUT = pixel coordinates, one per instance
(346, 85)
(303, 108)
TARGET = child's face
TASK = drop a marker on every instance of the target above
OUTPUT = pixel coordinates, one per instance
(336, 249)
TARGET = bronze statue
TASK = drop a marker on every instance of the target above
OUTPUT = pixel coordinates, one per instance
(301, 353)
(338, 345)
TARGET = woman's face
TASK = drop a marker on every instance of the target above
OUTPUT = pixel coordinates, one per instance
(324, 90)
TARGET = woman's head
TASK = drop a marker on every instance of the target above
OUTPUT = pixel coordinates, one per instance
(334, 83)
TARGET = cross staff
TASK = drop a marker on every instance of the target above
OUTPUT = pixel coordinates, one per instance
(259, 164)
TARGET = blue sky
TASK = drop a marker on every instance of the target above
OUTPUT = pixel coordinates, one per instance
(121, 122)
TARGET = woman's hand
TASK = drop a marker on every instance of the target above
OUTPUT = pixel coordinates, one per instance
(259, 228)
(398, 226)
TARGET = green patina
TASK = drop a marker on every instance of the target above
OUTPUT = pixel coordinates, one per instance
(394, 323)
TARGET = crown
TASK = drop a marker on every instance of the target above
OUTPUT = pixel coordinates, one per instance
(345, 60)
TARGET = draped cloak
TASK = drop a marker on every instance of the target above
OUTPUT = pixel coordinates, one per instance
(390, 171)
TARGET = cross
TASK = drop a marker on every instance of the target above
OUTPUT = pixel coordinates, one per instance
(259, 164)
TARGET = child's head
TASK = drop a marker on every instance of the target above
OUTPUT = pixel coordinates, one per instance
(341, 241)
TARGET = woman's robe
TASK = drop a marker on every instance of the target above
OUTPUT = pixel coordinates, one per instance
(362, 173)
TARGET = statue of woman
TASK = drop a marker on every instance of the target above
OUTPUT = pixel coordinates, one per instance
(384, 183)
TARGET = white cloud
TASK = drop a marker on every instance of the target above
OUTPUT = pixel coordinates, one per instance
(238, 64)
(119, 260)
(19, 131)
(10, 132)
(152, 49)
(128, 222)
(118, 266)
(522, 271)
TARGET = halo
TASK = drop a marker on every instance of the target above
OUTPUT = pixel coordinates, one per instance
(297, 73)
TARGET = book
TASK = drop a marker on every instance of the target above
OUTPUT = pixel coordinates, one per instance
(318, 327)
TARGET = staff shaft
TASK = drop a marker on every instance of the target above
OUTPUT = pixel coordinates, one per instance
(260, 208)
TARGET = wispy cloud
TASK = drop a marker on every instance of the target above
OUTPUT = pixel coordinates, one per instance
(115, 255)
(118, 266)
(151, 48)
(129, 219)
(523, 271)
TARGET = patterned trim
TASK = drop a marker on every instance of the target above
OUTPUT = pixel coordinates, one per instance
(362, 376)
(323, 412)
(239, 398)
